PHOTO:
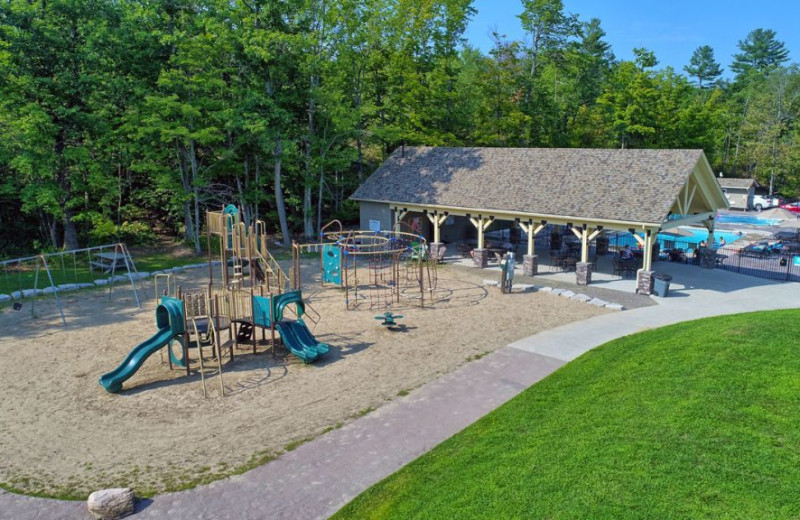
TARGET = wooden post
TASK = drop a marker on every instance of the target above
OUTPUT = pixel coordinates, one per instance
(647, 263)
(437, 221)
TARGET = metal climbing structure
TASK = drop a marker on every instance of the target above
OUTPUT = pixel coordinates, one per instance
(375, 269)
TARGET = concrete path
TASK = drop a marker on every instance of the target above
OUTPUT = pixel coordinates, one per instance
(316, 479)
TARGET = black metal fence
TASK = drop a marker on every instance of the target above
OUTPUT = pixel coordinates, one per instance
(774, 266)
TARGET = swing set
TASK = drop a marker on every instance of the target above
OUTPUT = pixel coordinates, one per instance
(62, 275)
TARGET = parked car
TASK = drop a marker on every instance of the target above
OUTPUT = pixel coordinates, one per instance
(764, 201)
(791, 206)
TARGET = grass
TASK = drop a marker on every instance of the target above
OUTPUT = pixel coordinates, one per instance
(695, 420)
(13, 278)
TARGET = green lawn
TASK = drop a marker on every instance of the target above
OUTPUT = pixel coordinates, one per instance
(15, 277)
(695, 420)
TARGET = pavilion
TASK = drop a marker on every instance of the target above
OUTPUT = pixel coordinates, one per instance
(589, 191)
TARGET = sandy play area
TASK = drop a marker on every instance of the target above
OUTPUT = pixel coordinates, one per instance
(62, 434)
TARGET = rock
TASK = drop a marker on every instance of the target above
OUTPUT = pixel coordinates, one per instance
(50, 290)
(101, 281)
(110, 504)
(581, 297)
(25, 293)
(567, 294)
(141, 275)
(546, 289)
(68, 287)
(556, 291)
(4, 297)
(598, 302)
(615, 307)
(86, 285)
(525, 287)
(491, 283)
(177, 269)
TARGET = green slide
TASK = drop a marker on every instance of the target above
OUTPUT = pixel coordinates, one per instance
(299, 340)
(294, 333)
(169, 319)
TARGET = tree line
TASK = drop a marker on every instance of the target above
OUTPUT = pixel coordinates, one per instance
(120, 119)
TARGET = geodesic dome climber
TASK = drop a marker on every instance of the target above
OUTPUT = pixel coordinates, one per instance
(376, 269)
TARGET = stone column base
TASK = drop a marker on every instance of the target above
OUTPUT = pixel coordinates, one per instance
(583, 273)
(530, 265)
(435, 247)
(480, 257)
(644, 282)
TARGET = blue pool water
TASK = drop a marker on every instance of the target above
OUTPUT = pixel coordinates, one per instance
(669, 241)
(746, 219)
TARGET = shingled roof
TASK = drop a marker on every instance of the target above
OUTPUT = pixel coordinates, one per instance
(598, 184)
(740, 184)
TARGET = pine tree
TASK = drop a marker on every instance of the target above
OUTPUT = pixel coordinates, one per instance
(760, 52)
(703, 66)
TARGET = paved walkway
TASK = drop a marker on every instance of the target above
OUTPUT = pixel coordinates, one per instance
(316, 479)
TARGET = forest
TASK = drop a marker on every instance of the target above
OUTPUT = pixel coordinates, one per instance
(125, 120)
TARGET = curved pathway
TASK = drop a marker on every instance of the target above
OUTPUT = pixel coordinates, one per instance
(318, 478)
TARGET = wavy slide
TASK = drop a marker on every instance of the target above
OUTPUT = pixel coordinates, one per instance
(299, 340)
(169, 319)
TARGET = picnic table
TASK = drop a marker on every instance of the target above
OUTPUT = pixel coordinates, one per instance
(108, 262)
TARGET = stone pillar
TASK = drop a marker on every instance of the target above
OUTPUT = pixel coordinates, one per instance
(644, 283)
(583, 273)
(435, 247)
(601, 246)
(480, 257)
(708, 258)
(530, 265)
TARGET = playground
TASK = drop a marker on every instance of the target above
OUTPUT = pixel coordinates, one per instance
(69, 436)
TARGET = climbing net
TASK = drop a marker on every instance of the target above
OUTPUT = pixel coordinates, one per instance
(378, 269)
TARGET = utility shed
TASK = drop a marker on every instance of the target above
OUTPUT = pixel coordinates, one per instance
(739, 192)
(586, 190)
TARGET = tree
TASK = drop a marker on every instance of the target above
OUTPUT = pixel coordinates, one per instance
(703, 66)
(761, 51)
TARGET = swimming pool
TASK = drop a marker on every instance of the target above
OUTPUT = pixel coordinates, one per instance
(672, 242)
(746, 219)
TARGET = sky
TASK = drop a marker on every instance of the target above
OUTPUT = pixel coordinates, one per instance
(672, 29)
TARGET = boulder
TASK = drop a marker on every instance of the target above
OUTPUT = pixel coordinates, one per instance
(581, 297)
(110, 504)
(598, 302)
(567, 294)
(4, 297)
(615, 307)
(556, 291)
(50, 290)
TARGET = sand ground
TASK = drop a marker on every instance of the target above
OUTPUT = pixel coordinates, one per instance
(62, 434)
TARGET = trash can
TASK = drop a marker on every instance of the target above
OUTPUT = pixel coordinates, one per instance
(661, 284)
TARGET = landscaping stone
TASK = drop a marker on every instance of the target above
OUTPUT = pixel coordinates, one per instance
(101, 281)
(50, 290)
(491, 283)
(581, 297)
(110, 504)
(598, 302)
(177, 269)
(615, 307)
(567, 294)
(85, 285)
(68, 287)
(546, 289)
(5, 297)
(525, 287)
(26, 293)
(556, 291)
